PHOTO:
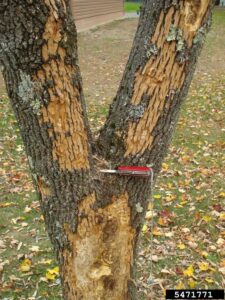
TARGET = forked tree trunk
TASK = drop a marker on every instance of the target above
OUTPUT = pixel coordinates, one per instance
(94, 220)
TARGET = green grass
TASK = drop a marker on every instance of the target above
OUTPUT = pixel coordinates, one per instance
(219, 16)
(131, 6)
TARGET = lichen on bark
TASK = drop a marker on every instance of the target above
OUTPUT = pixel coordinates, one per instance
(30, 92)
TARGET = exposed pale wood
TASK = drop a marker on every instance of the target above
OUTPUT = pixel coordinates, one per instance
(162, 73)
(102, 248)
(64, 111)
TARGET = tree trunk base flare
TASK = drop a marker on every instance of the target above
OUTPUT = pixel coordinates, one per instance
(98, 266)
(94, 220)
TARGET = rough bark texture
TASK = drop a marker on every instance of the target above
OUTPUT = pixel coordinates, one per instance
(94, 220)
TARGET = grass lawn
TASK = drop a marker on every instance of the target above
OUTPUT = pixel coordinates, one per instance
(131, 6)
(188, 249)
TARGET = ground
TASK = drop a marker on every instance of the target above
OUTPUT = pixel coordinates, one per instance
(189, 218)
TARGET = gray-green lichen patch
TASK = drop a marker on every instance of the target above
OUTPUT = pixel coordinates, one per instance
(1, 68)
(36, 106)
(139, 208)
(136, 112)
(30, 162)
(201, 33)
(180, 40)
(176, 34)
(152, 50)
(172, 35)
(30, 92)
(175, 3)
(200, 36)
(35, 178)
(26, 87)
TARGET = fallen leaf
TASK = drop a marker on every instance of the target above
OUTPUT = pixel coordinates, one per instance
(27, 209)
(7, 204)
(220, 242)
(46, 261)
(169, 234)
(191, 283)
(222, 263)
(162, 221)
(192, 245)
(145, 228)
(212, 248)
(25, 265)
(2, 244)
(34, 249)
(207, 219)
(148, 215)
(222, 216)
(51, 274)
(43, 279)
(185, 230)
(181, 246)
(41, 218)
(180, 286)
(222, 270)
(157, 232)
(209, 280)
(155, 258)
(170, 198)
(203, 266)
(222, 195)
(165, 166)
(165, 271)
(204, 254)
(189, 271)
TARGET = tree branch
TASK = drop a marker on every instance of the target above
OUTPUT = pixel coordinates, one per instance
(143, 115)
(38, 51)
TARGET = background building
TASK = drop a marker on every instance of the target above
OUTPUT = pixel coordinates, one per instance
(89, 13)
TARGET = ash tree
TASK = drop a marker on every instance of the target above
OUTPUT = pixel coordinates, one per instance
(94, 219)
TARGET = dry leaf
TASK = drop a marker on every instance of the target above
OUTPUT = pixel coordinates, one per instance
(191, 283)
(203, 266)
(51, 274)
(222, 270)
(209, 280)
(181, 246)
(157, 232)
(25, 265)
(189, 271)
(180, 286)
(34, 249)
(145, 228)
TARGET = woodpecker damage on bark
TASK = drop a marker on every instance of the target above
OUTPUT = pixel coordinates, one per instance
(93, 219)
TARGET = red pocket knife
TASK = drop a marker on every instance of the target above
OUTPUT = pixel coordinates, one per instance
(130, 171)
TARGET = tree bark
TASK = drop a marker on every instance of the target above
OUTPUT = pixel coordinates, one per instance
(94, 220)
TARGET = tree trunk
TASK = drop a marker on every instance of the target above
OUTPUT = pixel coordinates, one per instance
(94, 220)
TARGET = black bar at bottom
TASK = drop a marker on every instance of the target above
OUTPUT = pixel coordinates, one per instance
(195, 294)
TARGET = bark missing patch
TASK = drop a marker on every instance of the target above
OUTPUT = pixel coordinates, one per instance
(102, 251)
(64, 111)
(193, 12)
